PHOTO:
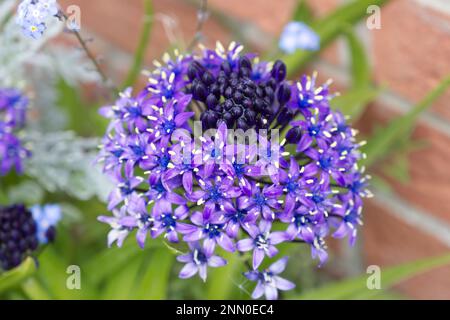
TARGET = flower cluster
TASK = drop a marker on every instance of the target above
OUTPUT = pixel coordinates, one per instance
(13, 107)
(32, 16)
(22, 232)
(275, 164)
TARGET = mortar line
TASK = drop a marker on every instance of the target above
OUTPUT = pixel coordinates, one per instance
(426, 222)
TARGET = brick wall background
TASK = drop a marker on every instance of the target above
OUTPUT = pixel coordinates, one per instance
(410, 54)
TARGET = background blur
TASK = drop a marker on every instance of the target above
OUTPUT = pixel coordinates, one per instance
(405, 221)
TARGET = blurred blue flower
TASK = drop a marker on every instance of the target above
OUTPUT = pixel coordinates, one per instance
(46, 217)
(33, 14)
(13, 107)
(297, 35)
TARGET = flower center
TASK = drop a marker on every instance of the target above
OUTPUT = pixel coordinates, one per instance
(199, 257)
(300, 221)
(325, 162)
(164, 161)
(213, 230)
(239, 216)
(168, 127)
(238, 169)
(168, 220)
(317, 198)
(214, 194)
(291, 186)
(261, 242)
(260, 200)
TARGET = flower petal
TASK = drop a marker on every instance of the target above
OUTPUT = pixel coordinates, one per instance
(188, 271)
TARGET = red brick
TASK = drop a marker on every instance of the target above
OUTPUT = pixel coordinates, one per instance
(429, 186)
(411, 51)
(120, 22)
(269, 15)
(389, 241)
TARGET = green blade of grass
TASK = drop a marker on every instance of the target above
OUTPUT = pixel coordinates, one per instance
(15, 277)
(139, 56)
(329, 28)
(383, 141)
(356, 288)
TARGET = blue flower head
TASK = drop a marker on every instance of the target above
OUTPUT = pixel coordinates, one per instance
(32, 16)
(215, 194)
(46, 218)
(298, 36)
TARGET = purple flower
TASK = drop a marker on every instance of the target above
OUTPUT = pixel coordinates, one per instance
(118, 232)
(319, 199)
(215, 193)
(169, 222)
(307, 97)
(163, 192)
(198, 261)
(137, 218)
(328, 161)
(210, 227)
(125, 188)
(262, 242)
(349, 218)
(237, 217)
(301, 224)
(227, 185)
(270, 158)
(263, 202)
(319, 250)
(268, 281)
(239, 166)
(12, 154)
(314, 130)
(295, 182)
(186, 164)
(169, 118)
(13, 106)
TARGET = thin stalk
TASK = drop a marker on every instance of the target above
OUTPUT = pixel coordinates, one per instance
(142, 47)
(92, 57)
(201, 19)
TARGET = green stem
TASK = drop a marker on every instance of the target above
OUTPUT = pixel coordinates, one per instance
(142, 46)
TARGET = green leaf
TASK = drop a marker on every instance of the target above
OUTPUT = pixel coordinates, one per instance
(398, 168)
(84, 118)
(329, 28)
(222, 281)
(28, 192)
(154, 282)
(303, 12)
(113, 259)
(360, 66)
(52, 274)
(351, 103)
(34, 290)
(383, 141)
(142, 46)
(121, 284)
(356, 288)
(15, 277)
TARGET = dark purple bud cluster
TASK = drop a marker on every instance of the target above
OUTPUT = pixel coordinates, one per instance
(18, 236)
(237, 97)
